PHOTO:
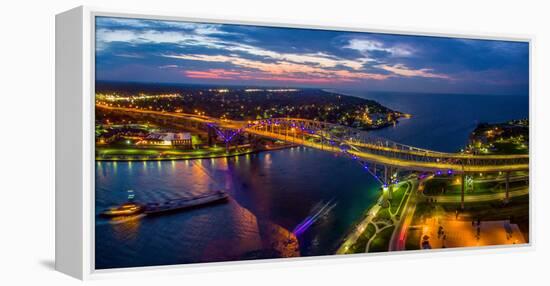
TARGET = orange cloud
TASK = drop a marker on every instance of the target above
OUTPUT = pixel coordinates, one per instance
(281, 69)
(248, 75)
(211, 74)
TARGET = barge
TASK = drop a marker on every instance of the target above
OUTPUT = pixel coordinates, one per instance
(185, 203)
(172, 205)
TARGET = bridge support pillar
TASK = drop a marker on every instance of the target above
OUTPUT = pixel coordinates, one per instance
(385, 197)
(389, 181)
(386, 175)
(211, 136)
(463, 177)
(286, 133)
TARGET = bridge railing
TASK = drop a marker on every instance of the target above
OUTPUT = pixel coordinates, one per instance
(339, 135)
(362, 141)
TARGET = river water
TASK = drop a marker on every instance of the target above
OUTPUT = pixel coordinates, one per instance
(281, 188)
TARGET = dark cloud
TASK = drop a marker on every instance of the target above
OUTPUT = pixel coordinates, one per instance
(137, 49)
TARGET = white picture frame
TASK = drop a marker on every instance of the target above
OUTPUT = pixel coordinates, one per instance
(74, 171)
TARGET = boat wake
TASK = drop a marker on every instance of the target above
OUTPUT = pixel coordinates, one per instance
(320, 210)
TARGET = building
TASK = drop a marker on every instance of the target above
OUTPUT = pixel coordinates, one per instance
(180, 140)
(107, 138)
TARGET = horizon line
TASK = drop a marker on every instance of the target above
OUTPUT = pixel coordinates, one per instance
(308, 87)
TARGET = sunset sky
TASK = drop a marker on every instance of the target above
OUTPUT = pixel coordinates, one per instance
(185, 52)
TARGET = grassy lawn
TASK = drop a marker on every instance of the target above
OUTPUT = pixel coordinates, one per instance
(382, 240)
(166, 152)
(397, 196)
(361, 243)
(383, 214)
(517, 209)
(437, 185)
(194, 152)
(127, 151)
(422, 210)
(413, 238)
(509, 148)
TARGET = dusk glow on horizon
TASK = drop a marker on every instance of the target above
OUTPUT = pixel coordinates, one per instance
(226, 54)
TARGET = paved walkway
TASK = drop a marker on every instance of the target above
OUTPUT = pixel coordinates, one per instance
(459, 233)
(359, 229)
(362, 226)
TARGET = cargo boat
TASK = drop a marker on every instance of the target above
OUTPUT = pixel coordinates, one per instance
(172, 205)
(185, 203)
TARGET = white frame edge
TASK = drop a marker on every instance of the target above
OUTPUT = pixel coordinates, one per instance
(68, 148)
(73, 133)
(74, 166)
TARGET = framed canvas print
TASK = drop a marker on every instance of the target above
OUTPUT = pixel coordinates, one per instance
(185, 141)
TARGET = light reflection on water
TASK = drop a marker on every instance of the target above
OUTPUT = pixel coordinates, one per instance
(274, 190)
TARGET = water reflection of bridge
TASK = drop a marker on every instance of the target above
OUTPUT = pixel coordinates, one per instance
(381, 157)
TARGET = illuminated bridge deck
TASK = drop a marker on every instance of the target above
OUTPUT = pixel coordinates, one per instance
(358, 144)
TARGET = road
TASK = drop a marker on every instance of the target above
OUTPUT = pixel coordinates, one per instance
(390, 156)
(503, 179)
(480, 198)
(399, 236)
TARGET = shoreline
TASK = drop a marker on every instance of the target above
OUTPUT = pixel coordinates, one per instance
(359, 227)
(186, 157)
(396, 115)
(371, 212)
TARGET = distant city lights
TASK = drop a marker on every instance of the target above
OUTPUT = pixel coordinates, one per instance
(128, 98)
